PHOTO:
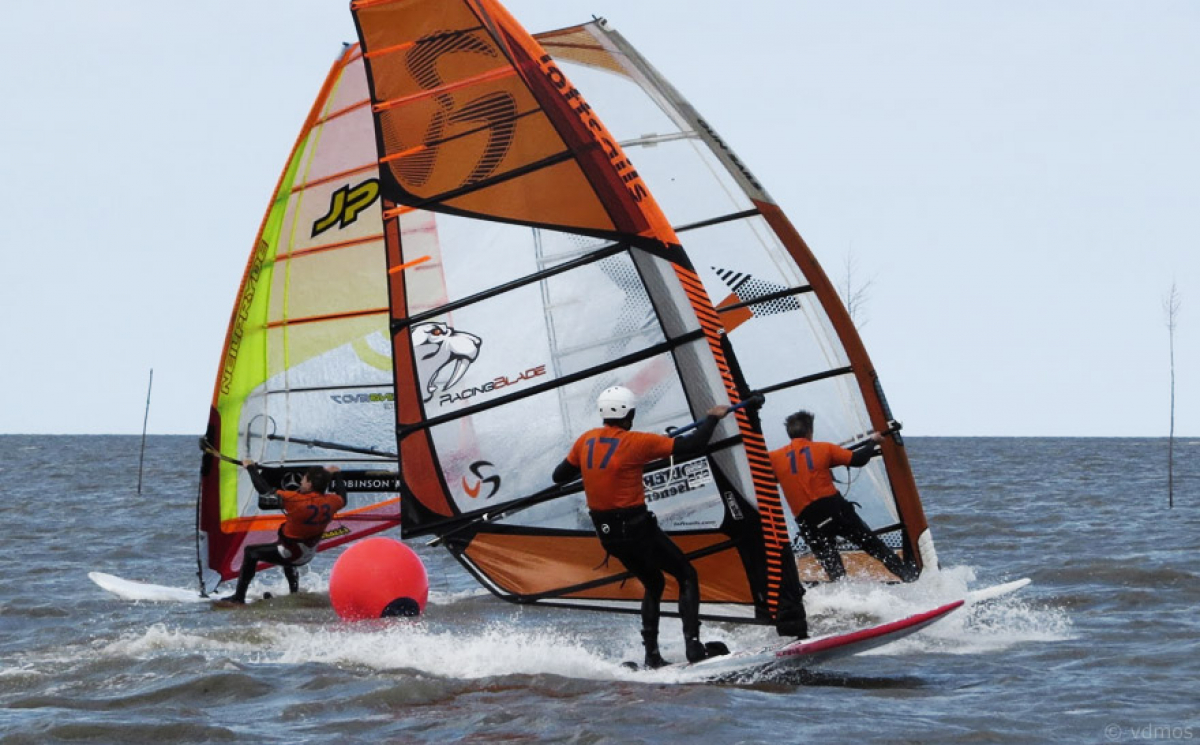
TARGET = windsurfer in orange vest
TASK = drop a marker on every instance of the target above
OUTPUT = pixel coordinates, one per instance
(610, 459)
(308, 512)
(822, 514)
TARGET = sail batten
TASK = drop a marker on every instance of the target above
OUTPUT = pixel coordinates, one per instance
(717, 220)
(483, 77)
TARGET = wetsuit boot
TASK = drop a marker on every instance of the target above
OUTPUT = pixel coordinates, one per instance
(293, 578)
(792, 621)
(698, 650)
(906, 571)
(653, 659)
(243, 583)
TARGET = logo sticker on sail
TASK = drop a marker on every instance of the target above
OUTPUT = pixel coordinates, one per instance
(363, 398)
(492, 385)
(473, 489)
(493, 115)
(670, 482)
(445, 354)
(346, 204)
(290, 481)
(734, 510)
(241, 316)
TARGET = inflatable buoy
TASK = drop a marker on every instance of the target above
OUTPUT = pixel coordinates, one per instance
(378, 578)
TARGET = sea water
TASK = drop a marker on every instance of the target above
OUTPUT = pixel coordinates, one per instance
(1101, 647)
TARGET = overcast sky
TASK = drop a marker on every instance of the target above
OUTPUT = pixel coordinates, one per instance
(1019, 181)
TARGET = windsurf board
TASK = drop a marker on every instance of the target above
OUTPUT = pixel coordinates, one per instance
(806, 653)
(129, 589)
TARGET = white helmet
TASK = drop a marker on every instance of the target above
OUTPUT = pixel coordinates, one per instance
(616, 402)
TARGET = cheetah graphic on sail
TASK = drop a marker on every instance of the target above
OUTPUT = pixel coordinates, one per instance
(443, 356)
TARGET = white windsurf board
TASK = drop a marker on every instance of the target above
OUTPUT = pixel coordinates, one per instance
(129, 589)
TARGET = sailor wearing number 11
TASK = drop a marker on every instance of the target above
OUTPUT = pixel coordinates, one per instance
(803, 469)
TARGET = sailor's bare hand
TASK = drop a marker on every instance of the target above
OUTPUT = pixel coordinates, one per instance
(247, 462)
(332, 469)
(718, 411)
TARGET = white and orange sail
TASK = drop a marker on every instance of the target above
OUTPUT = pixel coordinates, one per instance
(790, 332)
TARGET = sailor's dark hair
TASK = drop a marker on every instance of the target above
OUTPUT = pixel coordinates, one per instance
(319, 478)
(799, 424)
(625, 421)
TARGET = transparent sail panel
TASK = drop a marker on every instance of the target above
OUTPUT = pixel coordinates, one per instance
(778, 325)
(523, 440)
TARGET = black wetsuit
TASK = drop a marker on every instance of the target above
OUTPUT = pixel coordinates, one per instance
(284, 552)
(823, 521)
(633, 537)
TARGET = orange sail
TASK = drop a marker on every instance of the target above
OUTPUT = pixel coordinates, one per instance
(563, 277)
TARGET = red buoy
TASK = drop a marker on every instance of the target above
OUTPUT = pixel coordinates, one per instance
(378, 578)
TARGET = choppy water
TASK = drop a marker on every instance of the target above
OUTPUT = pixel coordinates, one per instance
(1101, 648)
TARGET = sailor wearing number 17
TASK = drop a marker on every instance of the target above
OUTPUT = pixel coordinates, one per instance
(803, 469)
(610, 459)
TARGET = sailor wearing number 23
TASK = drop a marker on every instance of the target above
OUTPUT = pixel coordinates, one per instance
(308, 512)
(610, 459)
(822, 513)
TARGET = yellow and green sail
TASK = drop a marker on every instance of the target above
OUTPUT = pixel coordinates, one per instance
(305, 375)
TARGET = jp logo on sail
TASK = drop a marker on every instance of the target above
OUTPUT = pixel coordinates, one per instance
(346, 204)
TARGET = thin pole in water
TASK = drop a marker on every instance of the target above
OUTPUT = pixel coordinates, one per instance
(1171, 308)
(145, 419)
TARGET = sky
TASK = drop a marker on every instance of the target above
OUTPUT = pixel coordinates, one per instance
(1018, 181)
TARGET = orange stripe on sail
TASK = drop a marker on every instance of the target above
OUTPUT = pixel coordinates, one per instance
(333, 246)
(272, 522)
(251, 524)
(494, 74)
(773, 526)
(343, 111)
(391, 50)
(367, 513)
(403, 153)
(397, 211)
(334, 177)
(327, 317)
(407, 264)
(360, 4)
